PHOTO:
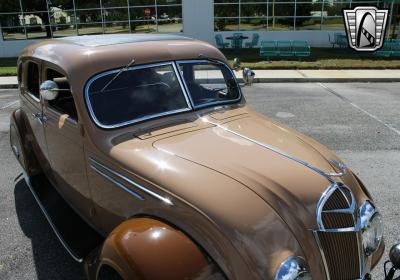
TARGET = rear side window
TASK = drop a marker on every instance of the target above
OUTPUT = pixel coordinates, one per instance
(32, 79)
(123, 97)
(64, 103)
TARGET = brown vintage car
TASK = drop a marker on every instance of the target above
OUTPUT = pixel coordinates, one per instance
(148, 164)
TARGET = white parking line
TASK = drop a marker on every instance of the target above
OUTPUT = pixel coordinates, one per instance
(360, 109)
(9, 105)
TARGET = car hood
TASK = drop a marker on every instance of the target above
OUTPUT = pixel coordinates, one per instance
(281, 166)
(257, 181)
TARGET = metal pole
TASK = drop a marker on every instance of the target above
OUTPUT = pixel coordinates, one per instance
(129, 16)
(390, 20)
(48, 15)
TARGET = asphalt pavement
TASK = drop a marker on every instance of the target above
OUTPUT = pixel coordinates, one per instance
(359, 121)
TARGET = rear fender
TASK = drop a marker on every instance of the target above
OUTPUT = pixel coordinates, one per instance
(145, 248)
(21, 145)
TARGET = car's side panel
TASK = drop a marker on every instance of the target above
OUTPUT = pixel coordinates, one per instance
(145, 248)
(66, 152)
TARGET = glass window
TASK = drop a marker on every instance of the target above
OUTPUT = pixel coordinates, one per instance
(87, 29)
(32, 82)
(10, 6)
(142, 2)
(253, 10)
(282, 23)
(63, 30)
(87, 4)
(209, 83)
(136, 94)
(304, 23)
(143, 26)
(87, 16)
(64, 103)
(143, 13)
(253, 24)
(13, 33)
(11, 20)
(115, 15)
(226, 24)
(335, 23)
(116, 27)
(231, 10)
(170, 26)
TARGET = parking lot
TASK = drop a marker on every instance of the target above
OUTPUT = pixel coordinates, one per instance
(359, 121)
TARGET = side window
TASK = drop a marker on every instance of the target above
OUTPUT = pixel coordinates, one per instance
(64, 103)
(33, 79)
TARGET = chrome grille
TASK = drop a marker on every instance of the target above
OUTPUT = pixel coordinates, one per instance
(341, 253)
(337, 235)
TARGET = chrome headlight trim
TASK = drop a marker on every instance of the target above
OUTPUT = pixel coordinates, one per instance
(293, 268)
(371, 227)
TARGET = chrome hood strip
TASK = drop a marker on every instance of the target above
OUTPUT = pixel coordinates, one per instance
(132, 183)
(327, 175)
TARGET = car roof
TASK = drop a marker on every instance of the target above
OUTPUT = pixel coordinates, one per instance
(105, 40)
(81, 57)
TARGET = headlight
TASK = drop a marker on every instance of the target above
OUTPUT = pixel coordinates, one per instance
(371, 228)
(293, 268)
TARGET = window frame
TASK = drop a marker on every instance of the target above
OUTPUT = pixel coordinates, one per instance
(144, 118)
(52, 108)
(179, 62)
(182, 83)
(25, 77)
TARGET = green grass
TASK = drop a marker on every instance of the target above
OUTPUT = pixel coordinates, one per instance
(321, 58)
(8, 66)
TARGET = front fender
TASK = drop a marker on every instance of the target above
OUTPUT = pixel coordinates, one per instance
(145, 248)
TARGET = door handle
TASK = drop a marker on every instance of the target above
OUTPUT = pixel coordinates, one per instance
(42, 118)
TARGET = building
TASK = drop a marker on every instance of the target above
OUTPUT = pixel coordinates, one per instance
(23, 21)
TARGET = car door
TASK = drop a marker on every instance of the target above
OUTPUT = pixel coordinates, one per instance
(65, 145)
(32, 106)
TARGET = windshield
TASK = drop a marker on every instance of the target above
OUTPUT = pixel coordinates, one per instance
(138, 93)
(209, 83)
(132, 94)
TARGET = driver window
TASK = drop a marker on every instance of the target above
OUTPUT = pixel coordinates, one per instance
(209, 83)
(64, 103)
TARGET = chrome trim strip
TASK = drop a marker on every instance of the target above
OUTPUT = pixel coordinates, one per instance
(27, 180)
(178, 62)
(321, 203)
(278, 151)
(138, 186)
(325, 263)
(183, 86)
(148, 117)
(115, 182)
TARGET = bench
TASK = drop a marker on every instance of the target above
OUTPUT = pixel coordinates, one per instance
(271, 49)
(390, 48)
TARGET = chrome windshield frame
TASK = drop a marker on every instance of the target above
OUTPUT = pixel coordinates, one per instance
(182, 83)
(144, 118)
(203, 60)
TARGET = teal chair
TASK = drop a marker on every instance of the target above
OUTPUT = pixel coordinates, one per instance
(268, 49)
(341, 40)
(395, 45)
(220, 42)
(254, 41)
(285, 48)
(301, 48)
(386, 50)
(237, 42)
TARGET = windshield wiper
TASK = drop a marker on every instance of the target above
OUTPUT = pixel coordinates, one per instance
(116, 75)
